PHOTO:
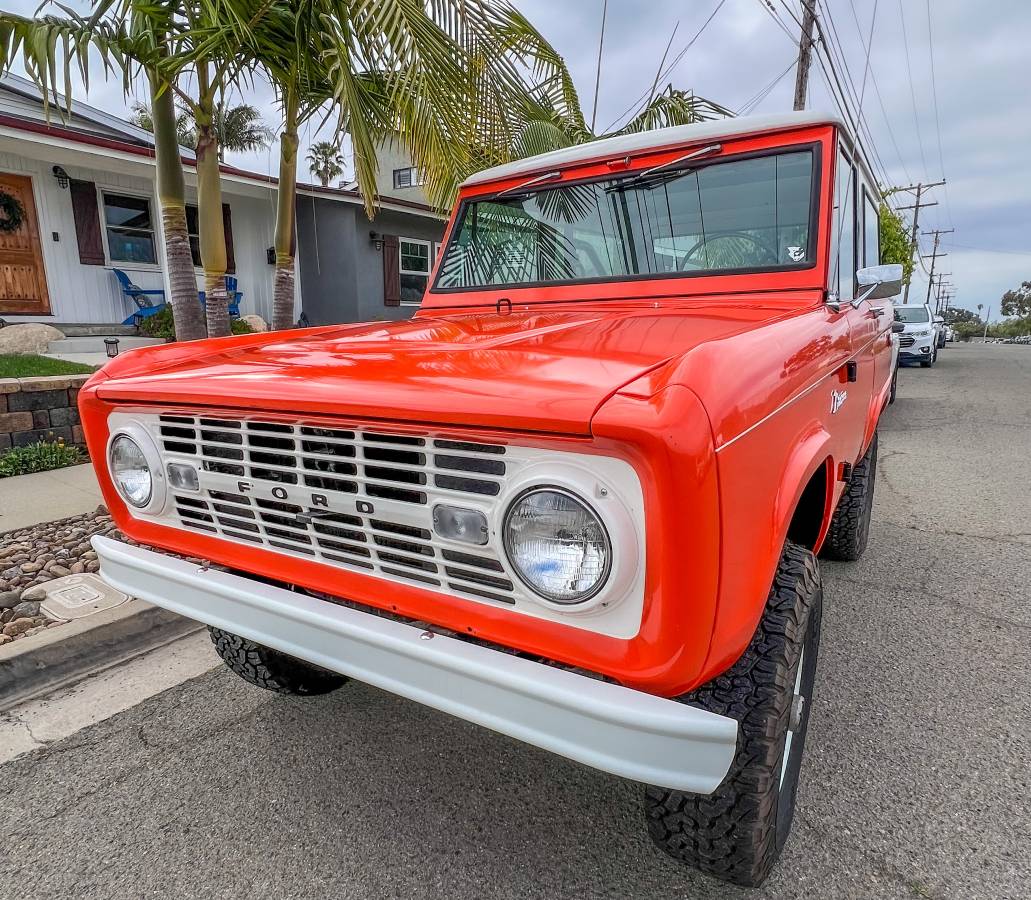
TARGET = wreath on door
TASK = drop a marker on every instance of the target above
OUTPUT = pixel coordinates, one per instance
(12, 213)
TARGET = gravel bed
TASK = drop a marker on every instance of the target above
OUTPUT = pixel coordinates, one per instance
(29, 557)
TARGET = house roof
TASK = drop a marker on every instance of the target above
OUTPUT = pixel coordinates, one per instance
(624, 144)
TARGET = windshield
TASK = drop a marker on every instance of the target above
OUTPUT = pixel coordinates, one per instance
(912, 314)
(747, 214)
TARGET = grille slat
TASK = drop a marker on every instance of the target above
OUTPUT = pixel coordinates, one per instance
(396, 471)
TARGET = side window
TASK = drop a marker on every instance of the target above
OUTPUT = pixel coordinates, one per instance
(130, 229)
(843, 272)
(871, 232)
(415, 265)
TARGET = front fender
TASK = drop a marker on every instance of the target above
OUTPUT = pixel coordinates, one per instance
(762, 476)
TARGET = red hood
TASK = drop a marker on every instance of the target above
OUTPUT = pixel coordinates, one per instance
(534, 371)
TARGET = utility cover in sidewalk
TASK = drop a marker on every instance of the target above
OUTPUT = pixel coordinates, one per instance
(77, 596)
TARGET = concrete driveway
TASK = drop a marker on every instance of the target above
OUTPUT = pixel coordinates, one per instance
(915, 785)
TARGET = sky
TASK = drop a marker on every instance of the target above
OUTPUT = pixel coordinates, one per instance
(969, 124)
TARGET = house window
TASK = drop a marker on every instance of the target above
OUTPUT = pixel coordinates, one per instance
(410, 176)
(415, 270)
(193, 228)
(130, 229)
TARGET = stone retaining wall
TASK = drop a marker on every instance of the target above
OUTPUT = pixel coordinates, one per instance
(40, 409)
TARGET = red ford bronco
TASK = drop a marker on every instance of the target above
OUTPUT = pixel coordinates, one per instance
(579, 497)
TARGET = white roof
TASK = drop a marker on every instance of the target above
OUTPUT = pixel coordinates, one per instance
(624, 144)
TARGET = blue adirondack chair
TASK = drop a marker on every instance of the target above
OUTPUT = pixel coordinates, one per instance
(235, 296)
(145, 307)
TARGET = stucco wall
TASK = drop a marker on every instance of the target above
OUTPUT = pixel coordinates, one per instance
(341, 269)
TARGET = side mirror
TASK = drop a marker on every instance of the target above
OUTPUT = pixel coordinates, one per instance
(898, 327)
(879, 282)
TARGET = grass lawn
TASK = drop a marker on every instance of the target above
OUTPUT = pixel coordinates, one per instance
(26, 365)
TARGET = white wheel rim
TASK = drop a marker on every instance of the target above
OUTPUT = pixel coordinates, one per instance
(787, 740)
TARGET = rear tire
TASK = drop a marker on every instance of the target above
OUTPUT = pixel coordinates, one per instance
(850, 527)
(737, 832)
(272, 670)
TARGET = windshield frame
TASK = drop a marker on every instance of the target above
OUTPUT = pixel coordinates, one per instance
(815, 147)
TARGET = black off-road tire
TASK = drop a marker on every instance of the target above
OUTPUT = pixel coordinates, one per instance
(737, 832)
(271, 669)
(850, 526)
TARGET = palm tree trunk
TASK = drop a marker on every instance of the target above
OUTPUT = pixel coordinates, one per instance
(209, 212)
(186, 311)
(283, 287)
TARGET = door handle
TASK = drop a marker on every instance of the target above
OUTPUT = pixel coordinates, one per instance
(875, 312)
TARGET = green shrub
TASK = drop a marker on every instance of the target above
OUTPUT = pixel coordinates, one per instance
(39, 458)
(162, 325)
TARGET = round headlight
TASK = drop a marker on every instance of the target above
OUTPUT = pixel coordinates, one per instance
(557, 545)
(130, 471)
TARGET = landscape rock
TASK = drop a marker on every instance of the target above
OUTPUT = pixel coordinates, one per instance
(257, 323)
(30, 337)
(27, 608)
(18, 627)
(5, 639)
(32, 557)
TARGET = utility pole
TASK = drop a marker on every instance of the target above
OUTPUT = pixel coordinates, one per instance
(805, 53)
(918, 204)
(986, 318)
(938, 232)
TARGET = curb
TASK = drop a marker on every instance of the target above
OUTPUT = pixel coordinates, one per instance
(57, 657)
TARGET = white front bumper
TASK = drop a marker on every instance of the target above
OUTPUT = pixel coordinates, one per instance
(612, 728)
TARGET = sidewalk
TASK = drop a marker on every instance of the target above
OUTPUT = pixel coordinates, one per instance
(27, 500)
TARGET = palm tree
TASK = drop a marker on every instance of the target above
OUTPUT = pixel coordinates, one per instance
(239, 128)
(126, 42)
(446, 80)
(325, 161)
(142, 116)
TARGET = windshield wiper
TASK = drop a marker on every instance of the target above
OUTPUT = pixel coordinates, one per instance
(539, 179)
(659, 173)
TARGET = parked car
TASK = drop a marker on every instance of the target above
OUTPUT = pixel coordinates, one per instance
(577, 499)
(918, 340)
(950, 334)
(939, 332)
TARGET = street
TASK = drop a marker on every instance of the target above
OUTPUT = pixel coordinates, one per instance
(915, 783)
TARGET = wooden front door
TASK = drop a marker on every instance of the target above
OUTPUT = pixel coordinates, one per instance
(23, 284)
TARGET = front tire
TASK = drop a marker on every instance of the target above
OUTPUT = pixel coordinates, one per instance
(270, 669)
(850, 526)
(737, 832)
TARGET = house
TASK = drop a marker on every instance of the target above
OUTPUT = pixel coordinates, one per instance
(85, 180)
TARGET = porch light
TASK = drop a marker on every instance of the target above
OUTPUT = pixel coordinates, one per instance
(61, 175)
(111, 347)
(377, 240)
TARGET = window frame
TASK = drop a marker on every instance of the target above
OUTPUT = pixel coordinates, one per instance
(416, 178)
(128, 263)
(834, 280)
(815, 194)
(401, 270)
(869, 205)
(197, 263)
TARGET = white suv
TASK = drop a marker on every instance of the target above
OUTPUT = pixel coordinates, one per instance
(918, 339)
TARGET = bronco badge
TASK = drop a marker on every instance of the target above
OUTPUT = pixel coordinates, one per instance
(838, 399)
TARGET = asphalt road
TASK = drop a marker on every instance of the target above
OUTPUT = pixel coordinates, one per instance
(915, 784)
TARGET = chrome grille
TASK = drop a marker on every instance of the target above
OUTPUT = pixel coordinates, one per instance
(403, 470)
(906, 340)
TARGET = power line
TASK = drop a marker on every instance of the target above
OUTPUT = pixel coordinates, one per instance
(934, 97)
(637, 105)
(912, 89)
(754, 101)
